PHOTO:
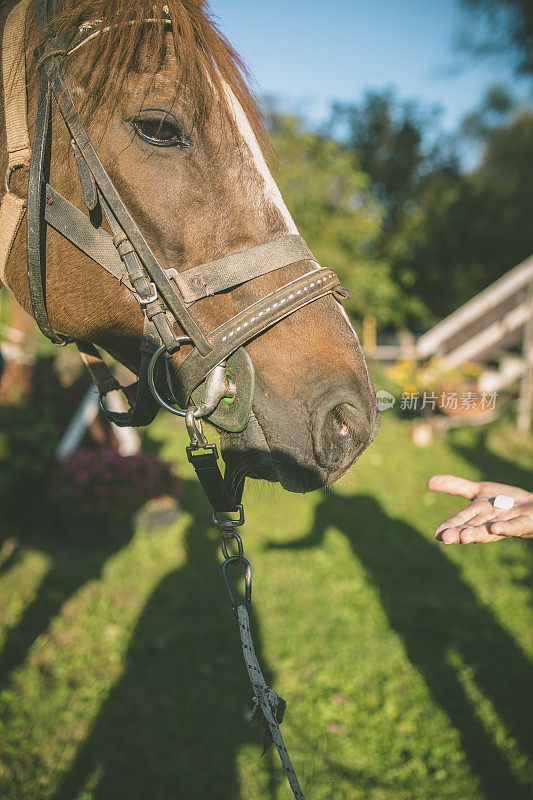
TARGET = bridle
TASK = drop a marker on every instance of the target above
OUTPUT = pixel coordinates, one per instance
(218, 366)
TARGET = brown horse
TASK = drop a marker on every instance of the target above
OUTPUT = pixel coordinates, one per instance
(177, 130)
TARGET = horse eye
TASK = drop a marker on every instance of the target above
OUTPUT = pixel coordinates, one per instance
(161, 132)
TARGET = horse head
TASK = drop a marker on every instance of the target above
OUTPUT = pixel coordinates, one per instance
(164, 101)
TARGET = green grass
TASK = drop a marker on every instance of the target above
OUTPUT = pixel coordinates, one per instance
(407, 666)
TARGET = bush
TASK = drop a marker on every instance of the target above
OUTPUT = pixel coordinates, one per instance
(103, 483)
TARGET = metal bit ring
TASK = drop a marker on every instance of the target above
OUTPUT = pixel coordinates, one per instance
(151, 379)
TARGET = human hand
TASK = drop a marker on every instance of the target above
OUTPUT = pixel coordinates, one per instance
(481, 521)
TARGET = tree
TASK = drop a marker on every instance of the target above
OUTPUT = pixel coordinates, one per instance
(415, 175)
(464, 231)
(502, 191)
(494, 112)
(397, 143)
(414, 235)
(509, 26)
(330, 199)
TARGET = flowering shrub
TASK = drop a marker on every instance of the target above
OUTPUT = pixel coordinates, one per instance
(103, 483)
(412, 377)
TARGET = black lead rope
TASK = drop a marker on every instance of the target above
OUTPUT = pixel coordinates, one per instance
(223, 497)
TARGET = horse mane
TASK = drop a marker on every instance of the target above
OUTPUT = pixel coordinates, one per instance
(207, 62)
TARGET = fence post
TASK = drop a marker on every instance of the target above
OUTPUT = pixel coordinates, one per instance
(525, 400)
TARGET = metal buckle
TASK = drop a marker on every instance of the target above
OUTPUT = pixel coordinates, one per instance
(228, 522)
(191, 450)
(143, 301)
(230, 534)
(217, 385)
(195, 429)
(7, 177)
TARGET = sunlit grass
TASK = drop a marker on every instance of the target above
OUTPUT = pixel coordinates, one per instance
(407, 666)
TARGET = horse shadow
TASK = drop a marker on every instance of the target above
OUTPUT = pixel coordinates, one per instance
(173, 725)
(435, 612)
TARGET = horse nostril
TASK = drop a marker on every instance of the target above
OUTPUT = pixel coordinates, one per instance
(340, 436)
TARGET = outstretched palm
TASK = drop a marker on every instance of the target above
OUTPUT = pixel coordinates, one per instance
(481, 521)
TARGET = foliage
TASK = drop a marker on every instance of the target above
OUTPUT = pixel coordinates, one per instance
(508, 26)
(29, 435)
(492, 113)
(397, 144)
(406, 665)
(101, 482)
(447, 233)
(27, 445)
(329, 197)
(502, 197)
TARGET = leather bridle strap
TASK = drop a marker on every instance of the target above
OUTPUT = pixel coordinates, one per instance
(230, 271)
(14, 79)
(35, 221)
(38, 176)
(96, 243)
(13, 208)
(54, 71)
(143, 407)
(224, 494)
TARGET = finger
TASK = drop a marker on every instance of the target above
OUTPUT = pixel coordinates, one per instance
(487, 514)
(518, 526)
(467, 514)
(449, 536)
(478, 534)
(453, 484)
(489, 489)
(468, 535)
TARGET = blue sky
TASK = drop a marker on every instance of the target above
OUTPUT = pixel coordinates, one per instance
(306, 53)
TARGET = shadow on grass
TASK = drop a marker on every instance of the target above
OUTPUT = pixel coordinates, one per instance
(74, 564)
(437, 615)
(29, 434)
(495, 467)
(492, 466)
(173, 724)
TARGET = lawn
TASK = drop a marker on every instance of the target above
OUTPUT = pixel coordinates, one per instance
(406, 665)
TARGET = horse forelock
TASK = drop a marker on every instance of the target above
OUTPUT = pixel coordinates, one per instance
(135, 36)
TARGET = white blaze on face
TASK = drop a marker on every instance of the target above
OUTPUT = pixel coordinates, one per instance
(270, 190)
